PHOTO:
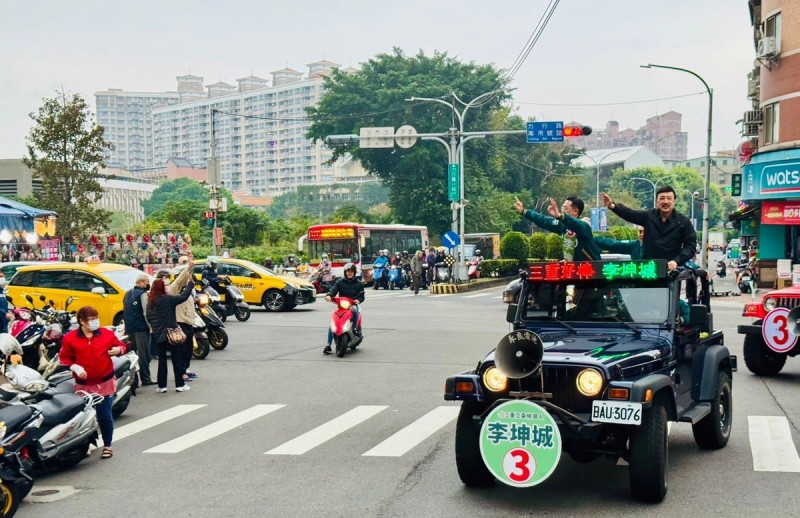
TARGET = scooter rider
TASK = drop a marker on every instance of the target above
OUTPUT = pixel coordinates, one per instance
(325, 269)
(350, 287)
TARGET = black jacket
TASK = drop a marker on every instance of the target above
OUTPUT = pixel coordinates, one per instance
(133, 310)
(352, 289)
(672, 240)
(162, 315)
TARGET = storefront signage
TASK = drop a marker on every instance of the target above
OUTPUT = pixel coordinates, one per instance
(772, 175)
(780, 212)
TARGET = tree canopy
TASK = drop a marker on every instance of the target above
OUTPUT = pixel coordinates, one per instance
(65, 151)
(179, 189)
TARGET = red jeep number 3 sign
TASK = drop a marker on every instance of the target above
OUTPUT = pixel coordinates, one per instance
(775, 331)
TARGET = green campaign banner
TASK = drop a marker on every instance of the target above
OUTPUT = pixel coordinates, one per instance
(520, 443)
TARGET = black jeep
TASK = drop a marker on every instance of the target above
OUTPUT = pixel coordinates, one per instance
(608, 353)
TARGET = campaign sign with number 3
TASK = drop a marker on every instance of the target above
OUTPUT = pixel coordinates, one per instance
(775, 331)
(520, 443)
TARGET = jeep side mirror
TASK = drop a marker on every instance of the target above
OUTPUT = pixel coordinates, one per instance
(511, 312)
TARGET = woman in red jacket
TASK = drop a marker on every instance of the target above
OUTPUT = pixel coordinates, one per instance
(87, 351)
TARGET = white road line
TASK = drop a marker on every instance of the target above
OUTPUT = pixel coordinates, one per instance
(771, 444)
(209, 432)
(324, 432)
(153, 420)
(476, 295)
(410, 436)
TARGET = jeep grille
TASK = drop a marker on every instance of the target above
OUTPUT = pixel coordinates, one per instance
(560, 381)
(787, 302)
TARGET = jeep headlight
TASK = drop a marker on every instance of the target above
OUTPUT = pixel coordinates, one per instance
(769, 303)
(589, 382)
(495, 380)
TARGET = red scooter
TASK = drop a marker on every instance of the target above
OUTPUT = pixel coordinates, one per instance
(342, 328)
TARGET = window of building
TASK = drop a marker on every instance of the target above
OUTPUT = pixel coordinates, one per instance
(771, 123)
(772, 27)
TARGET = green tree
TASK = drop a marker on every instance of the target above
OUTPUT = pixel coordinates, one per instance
(65, 150)
(416, 177)
(350, 213)
(514, 245)
(179, 190)
(538, 245)
(555, 246)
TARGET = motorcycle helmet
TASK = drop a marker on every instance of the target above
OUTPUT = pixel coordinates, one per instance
(405, 253)
(291, 257)
(212, 262)
(397, 254)
(324, 256)
(350, 267)
(9, 345)
(477, 252)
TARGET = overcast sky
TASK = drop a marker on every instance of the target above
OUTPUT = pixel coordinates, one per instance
(584, 67)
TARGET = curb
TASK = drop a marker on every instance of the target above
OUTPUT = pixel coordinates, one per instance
(450, 289)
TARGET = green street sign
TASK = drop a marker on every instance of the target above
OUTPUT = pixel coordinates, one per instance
(453, 187)
(520, 443)
(736, 184)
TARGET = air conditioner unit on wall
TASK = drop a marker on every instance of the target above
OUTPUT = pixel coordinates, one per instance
(752, 116)
(753, 88)
(767, 47)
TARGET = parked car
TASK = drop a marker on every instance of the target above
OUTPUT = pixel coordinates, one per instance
(101, 285)
(765, 353)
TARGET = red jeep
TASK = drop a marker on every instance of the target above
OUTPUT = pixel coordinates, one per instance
(766, 347)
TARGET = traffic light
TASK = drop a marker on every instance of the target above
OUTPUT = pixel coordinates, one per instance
(577, 131)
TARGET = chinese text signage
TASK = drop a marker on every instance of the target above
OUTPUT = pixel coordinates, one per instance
(596, 270)
(331, 233)
(780, 213)
(537, 132)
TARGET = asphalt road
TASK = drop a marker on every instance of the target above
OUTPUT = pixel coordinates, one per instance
(274, 428)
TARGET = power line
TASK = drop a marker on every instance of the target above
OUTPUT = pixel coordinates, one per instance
(611, 104)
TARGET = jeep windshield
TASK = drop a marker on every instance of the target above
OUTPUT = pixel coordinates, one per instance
(599, 296)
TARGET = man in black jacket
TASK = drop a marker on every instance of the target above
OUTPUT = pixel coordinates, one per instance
(134, 305)
(668, 234)
(350, 287)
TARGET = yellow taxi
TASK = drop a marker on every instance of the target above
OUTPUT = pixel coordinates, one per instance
(261, 286)
(100, 285)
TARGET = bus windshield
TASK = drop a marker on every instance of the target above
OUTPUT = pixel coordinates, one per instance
(338, 250)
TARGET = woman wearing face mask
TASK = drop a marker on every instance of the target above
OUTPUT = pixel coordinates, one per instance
(87, 351)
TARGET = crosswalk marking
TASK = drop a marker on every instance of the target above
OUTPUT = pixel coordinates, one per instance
(209, 432)
(771, 444)
(313, 438)
(401, 442)
(153, 420)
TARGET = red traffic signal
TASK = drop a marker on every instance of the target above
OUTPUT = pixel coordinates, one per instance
(576, 131)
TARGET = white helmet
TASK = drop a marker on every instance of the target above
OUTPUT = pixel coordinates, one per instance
(212, 262)
(324, 255)
(9, 345)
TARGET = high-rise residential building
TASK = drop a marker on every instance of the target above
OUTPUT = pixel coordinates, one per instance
(127, 123)
(259, 130)
(661, 134)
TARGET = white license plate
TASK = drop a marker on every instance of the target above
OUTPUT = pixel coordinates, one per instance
(619, 412)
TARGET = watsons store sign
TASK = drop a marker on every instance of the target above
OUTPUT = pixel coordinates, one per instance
(772, 176)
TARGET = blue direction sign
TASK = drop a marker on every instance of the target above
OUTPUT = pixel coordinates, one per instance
(453, 187)
(450, 239)
(536, 132)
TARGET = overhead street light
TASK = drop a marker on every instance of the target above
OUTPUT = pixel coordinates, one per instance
(597, 167)
(654, 184)
(704, 240)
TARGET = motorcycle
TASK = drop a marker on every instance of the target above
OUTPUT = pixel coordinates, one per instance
(396, 278)
(320, 285)
(213, 325)
(380, 277)
(745, 279)
(342, 327)
(722, 270)
(442, 274)
(201, 345)
(69, 424)
(18, 425)
(234, 303)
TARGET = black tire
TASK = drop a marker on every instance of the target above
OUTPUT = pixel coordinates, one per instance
(342, 342)
(218, 338)
(242, 314)
(649, 456)
(759, 358)
(390, 286)
(74, 457)
(121, 406)
(9, 499)
(471, 469)
(713, 431)
(201, 349)
(274, 300)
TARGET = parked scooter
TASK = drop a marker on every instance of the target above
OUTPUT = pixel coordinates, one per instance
(745, 279)
(69, 423)
(201, 346)
(396, 278)
(214, 327)
(18, 425)
(442, 273)
(342, 327)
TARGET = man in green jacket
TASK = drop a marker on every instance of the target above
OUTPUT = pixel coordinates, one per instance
(579, 244)
(632, 247)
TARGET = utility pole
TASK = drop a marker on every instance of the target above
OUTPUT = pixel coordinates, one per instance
(213, 184)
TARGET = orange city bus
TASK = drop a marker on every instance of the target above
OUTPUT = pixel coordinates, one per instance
(359, 243)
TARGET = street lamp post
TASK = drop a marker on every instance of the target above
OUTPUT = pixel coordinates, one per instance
(597, 164)
(704, 240)
(654, 184)
(692, 196)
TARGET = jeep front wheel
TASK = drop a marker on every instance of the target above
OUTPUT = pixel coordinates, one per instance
(649, 456)
(760, 359)
(713, 431)
(471, 469)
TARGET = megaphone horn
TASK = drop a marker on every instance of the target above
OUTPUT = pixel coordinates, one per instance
(519, 354)
(793, 321)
